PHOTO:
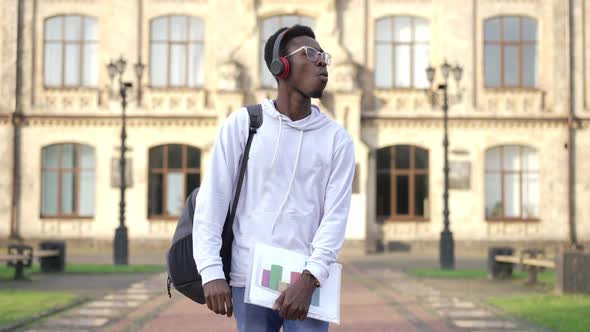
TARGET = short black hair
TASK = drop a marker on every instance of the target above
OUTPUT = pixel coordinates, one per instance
(295, 31)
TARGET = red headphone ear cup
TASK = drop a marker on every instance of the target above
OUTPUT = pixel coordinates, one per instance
(286, 68)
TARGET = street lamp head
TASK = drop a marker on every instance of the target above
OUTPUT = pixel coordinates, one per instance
(445, 69)
(112, 70)
(121, 64)
(457, 73)
(430, 73)
(139, 67)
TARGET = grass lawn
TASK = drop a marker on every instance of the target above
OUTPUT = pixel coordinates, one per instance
(19, 304)
(568, 313)
(544, 277)
(7, 273)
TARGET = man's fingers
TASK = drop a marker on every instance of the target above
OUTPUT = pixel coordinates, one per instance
(219, 307)
(230, 307)
(209, 303)
(214, 303)
(293, 312)
(279, 302)
(221, 304)
(303, 316)
(284, 310)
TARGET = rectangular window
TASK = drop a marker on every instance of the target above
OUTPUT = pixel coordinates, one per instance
(402, 183)
(68, 181)
(71, 51)
(174, 172)
(510, 52)
(176, 51)
(401, 52)
(512, 183)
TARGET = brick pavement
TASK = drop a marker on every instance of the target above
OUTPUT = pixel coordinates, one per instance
(376, 296)
(363, 309)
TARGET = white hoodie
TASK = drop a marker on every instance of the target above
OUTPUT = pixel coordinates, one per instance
(295, 195)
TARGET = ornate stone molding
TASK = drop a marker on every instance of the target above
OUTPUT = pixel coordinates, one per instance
(175, 101)
(132, 121)
(229, 76)
(402, 100)
(66, 226)
(59, 100)
(513, 228)
(161, 227)
(513, 102)
(463, 122)
(406, 229)
(344, 77)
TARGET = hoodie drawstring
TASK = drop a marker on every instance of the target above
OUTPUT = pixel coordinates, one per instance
(290, 182)
(277, 145)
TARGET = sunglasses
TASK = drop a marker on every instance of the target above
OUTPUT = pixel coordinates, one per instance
(313, 54)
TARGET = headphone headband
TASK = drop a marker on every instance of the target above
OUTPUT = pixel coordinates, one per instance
(278, 67)
(277, 46)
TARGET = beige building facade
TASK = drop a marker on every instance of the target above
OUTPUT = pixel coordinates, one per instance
(509, 117)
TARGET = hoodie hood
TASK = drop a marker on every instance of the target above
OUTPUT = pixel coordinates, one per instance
(315, 120)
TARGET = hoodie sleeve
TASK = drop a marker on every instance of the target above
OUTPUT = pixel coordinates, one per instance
(215, 195)
(329, 237)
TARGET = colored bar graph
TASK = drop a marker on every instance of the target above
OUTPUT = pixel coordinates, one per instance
(276, 273)
(294, 277)
(266, 278)
(271, 279)
(283, 286)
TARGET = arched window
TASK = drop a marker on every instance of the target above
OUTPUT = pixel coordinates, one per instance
(401, 52)
(174, 171)
(510, 52)
(67, 180)
(512, 183)
(269, 26)
(71, 51)
(402, 183)
(176, 51)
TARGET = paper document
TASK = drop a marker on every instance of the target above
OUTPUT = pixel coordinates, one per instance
(273, 269)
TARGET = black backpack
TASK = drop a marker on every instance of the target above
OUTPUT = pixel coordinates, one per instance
(182, 270)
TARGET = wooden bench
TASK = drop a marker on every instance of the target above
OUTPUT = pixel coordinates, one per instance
(45, 253)
(21, 256)
(531, 260)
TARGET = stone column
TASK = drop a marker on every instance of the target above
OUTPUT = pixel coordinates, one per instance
(347, 112)
(229, 95)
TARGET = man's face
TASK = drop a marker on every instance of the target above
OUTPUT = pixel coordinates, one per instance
(309, 78)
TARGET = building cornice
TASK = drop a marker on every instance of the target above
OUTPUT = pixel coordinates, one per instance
(132, 120)
(385, 121)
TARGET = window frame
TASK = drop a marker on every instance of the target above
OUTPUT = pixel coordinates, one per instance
(76, 170)
(395, 44)
(81, 54)
(502, 173)
(411, 172)
(168, 42)
(164, 170)
(520, 43)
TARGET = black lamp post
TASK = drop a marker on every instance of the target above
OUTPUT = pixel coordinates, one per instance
(447, 246)
(121, 243)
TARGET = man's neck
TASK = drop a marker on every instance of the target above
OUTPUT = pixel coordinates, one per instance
(293, 104)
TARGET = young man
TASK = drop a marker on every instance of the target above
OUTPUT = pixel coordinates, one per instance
(295, 195)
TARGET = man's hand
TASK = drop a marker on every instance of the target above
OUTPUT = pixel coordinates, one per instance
(218, 297)
(293, 303)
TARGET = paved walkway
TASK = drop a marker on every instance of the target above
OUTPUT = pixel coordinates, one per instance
(377, 296)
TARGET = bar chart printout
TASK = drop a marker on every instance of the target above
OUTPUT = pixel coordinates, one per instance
(271, 279)
(273, 270)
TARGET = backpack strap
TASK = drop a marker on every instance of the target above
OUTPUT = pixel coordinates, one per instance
(255, 113)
